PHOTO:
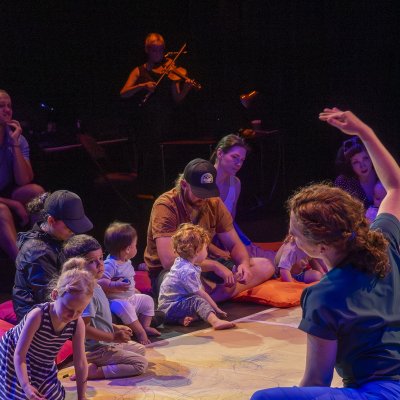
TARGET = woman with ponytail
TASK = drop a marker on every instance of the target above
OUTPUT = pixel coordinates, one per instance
(351, 316)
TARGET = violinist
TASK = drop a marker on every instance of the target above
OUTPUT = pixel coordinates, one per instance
(144, 77)
(152, 121)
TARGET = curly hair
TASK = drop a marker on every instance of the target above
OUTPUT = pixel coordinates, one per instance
(189, 239)
(331, 216)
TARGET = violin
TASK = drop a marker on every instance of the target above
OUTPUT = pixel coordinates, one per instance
(175, 73)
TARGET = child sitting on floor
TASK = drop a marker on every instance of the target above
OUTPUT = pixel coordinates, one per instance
(292, 264)
(132, 307)
(379, 195)
(110, 352)
(182, 297)
(28, 350)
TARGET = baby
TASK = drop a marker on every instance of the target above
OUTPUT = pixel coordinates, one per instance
(182, 297)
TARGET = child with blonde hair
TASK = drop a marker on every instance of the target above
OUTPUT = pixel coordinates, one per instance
(182, 296)
(28, 350)
(133, 308)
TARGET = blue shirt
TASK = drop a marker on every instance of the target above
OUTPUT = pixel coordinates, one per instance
(361, 312)
(7, 159)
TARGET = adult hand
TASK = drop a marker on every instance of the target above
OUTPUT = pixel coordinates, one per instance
(123, 328)
(15, 132)
(243, 273)
(225, 274)
(150, 86)
(346, 121)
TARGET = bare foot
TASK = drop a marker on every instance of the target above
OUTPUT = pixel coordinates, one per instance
(94, 372)
(152, 331)
(220, 324)
(142, 338)
(187, 320)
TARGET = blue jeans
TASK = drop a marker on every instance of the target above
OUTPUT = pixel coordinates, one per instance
(376, 390)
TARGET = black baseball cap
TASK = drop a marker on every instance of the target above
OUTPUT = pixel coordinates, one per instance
(67, 207)
(201, 176)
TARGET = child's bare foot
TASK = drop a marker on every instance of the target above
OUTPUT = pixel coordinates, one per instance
(142, 338)
(187, 320)
(152, 331)
(220, 324)
(94, 372)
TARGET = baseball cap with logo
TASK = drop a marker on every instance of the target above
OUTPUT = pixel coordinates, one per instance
(67, 207)
(201, 176)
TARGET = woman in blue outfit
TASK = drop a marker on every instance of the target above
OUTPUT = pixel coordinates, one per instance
(351, 316)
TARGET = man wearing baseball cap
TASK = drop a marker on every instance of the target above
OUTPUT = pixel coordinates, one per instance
(195, 199)
(40, 255)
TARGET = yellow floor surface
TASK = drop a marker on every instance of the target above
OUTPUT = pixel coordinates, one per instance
(264, 350)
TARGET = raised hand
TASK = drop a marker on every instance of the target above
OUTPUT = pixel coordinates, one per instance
(346, 121)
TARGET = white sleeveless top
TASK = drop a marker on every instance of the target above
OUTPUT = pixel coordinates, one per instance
(231, 196)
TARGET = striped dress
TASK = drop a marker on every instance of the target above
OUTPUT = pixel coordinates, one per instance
(40, 359)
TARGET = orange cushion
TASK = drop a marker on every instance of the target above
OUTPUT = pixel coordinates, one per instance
(273, 246)
(143, 282)
(274, 293)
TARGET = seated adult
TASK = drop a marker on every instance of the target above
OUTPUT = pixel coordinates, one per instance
(40, 255)
(357, 175)
(228, 158)
(351, 316)
(16, 175)
(195, 199)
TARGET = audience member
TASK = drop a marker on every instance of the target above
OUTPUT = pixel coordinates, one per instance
(16, 175)
(228, 158)
(379, 195)
(28, 350)
(357, 175)
(40, 254)
(110, 352)
(195, 199)
(182, 296)
(118, 282)
(293, 264)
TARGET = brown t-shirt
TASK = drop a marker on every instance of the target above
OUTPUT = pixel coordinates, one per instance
(168, 213)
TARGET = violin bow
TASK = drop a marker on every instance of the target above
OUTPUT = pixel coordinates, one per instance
(165, 73)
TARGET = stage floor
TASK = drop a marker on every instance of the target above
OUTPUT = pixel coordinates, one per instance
(265, 350)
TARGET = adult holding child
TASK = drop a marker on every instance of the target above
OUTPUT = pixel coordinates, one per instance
(195, 199)
(351, 316)
(16, 175)
(40, 254)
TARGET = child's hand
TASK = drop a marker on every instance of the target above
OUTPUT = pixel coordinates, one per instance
(120, 285)
(32, 393)
(122, 336)
(221, 313)
(123, 328)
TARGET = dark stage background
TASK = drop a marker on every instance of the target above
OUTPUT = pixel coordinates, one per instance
(301, 55)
